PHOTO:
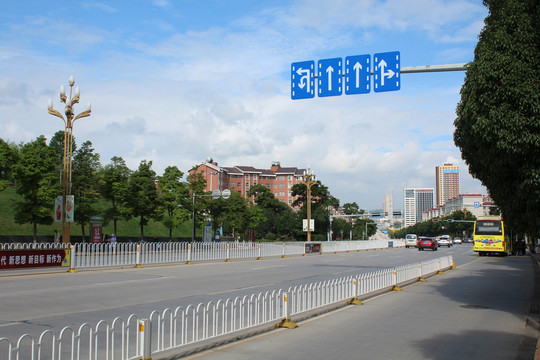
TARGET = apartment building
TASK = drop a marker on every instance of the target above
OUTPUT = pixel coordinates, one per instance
(415, 202)
(446, 182)
(278, 179)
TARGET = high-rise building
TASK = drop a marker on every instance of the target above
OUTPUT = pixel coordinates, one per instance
(447, 182)
(415, 202)
(388, 206)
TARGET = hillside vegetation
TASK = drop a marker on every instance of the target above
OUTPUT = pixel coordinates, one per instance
(9, 197)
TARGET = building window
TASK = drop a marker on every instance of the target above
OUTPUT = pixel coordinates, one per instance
(232, 184)
(290, 177)
(239, 184)
(255, 177)
(281, 193)
(281, 186)
(282, 177)
(268, 186)
(247, 176)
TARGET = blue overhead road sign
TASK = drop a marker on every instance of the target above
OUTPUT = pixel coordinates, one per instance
(386, 71)
(303, 80)
(357, 74)
(330, 77)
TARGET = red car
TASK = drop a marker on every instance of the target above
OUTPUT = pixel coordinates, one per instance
(427, 243)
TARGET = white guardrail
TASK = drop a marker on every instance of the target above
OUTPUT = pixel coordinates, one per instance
(136, 337)
(87, 255)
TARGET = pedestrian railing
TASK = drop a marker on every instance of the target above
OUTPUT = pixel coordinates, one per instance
(171, 329)
(85, 255)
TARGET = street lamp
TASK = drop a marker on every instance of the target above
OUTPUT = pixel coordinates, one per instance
(216, 194)
(309, 181)
(69, 120)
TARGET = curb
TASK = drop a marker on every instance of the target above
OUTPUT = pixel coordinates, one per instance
(536, 257)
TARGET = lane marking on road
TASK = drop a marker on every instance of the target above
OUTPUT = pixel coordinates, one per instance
(132, 281)
(11, 323)
(239, 289)
(267, 267)
(334, 260)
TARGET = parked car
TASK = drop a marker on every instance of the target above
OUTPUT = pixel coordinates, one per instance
(468, 240)
(411, 240)
(457, 240)
(427, 243)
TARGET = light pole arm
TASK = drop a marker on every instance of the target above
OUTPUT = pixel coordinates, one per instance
(56, 113)
(83, 114)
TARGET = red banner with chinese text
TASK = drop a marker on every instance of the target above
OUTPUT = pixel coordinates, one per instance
(11, 259)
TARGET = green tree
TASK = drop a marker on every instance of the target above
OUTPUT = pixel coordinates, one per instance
(85, 178)
(237, 216)
(275, 214)
(197, 184)
(143, 201)
(174, 195)
(320, 201)
(341, 228)
(498, 117)
(8, 158)
(351, 209)
(114, 188)
(34, 172)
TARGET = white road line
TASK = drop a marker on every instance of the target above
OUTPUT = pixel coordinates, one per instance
(268, 267)
(239, 289)
(11, 323)
(132, 281)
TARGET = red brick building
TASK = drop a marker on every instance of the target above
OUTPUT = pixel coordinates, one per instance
(279, 180)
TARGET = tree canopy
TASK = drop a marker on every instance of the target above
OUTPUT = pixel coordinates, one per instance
(498, 117)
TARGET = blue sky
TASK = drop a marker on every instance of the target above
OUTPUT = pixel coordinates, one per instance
(175, 82)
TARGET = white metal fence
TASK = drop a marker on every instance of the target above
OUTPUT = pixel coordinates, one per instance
(136, 338)
(87, 255)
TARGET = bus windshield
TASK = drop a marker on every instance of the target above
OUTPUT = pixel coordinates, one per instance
(488, 227)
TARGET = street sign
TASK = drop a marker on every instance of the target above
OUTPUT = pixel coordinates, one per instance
(476, 204)
(303, 80)
(357, 74)
(386, 72)
(330, 75)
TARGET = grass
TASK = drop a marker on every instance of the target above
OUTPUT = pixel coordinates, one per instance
(9, 197)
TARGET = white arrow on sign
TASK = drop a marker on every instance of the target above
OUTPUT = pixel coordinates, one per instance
(357, 67)
(382, 66)
(329, 71)
(304, 80)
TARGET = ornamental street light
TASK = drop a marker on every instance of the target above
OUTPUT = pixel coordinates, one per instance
(69, 120)
(216, 194)
(309, 181)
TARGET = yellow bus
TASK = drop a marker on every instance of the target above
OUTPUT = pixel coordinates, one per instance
(489, 236)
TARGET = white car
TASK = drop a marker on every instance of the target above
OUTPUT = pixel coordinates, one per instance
(444, 241)
(457, 240)
(411, 240)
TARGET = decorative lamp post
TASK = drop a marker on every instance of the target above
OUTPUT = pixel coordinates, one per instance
(69, 120)
(309, 181)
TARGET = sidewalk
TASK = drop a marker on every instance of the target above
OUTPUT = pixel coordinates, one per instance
(486, 309)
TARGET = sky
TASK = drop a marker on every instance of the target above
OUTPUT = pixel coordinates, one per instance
(177, 81)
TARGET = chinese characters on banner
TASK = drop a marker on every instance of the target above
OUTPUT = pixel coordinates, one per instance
(33, 258)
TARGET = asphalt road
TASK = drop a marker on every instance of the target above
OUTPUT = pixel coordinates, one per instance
(35, 302)
(481, 310)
